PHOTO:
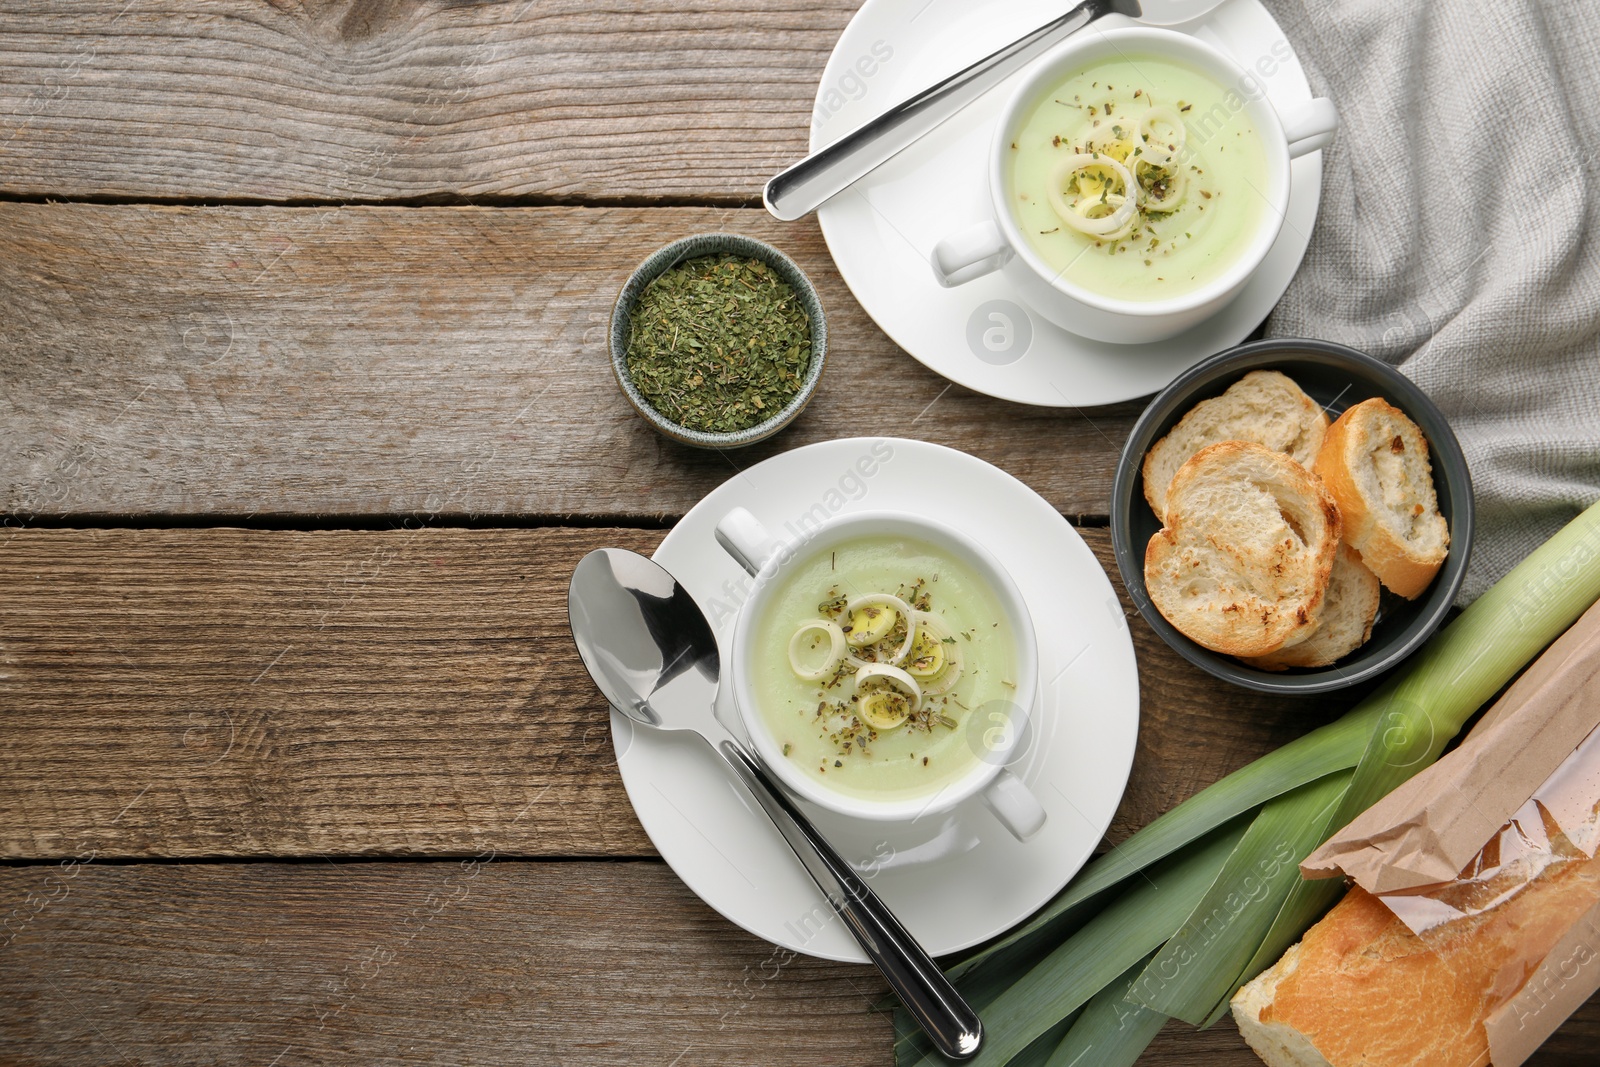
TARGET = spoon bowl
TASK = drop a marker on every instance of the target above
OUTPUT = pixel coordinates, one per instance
(644, 640)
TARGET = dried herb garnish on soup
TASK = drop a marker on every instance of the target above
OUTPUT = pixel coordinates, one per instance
(719, 343)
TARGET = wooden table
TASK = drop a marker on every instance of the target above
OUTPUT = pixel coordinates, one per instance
(305, 417)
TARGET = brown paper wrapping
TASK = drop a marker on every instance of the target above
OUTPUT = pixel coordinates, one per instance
(1569, 975)
(1495, 816)
(1431, 826)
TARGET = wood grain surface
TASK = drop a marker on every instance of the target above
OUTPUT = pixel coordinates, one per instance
(162, 361)
(335, 786)
(247, 693)
(244, 694)
(478, 961)
(469, 962)
(377, 99)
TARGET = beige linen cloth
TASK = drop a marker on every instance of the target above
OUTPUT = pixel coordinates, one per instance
(1459, 235)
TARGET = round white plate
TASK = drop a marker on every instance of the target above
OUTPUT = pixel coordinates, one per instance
(882, 231)
(957, 880)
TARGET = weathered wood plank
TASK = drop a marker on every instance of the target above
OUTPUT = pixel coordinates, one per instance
(397, 361)
(469, 963)
(380, 99)
(479, 962)
(182, 693)
(221, 692)
(375, 100)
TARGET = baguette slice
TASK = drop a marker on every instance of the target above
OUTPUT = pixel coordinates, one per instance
(1243, 562)
(1375, 462)
(1344, 622)
(1264, 406)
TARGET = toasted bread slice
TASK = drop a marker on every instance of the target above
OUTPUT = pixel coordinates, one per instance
(1344, 622)
(1243, 562)
(1264, 406)
(1375, 462)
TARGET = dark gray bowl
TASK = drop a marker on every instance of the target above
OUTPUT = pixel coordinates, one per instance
(1336, 377)
(710, 244)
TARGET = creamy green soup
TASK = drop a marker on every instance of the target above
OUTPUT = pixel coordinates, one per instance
(843, 713)
(1139, 178)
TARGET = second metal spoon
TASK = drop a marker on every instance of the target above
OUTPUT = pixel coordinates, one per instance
(805, 186)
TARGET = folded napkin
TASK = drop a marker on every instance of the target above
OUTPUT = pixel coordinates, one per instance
(1457, 237)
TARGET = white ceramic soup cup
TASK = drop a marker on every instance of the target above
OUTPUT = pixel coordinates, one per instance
(999, 244)
(995, 744)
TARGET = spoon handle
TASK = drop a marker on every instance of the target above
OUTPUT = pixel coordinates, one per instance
(806, 185)
(919, 983)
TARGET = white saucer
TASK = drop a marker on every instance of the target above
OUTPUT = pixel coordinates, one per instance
(882, 231)
(959, 880)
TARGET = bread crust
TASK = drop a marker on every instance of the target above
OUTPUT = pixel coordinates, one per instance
(1244, 561)
(1265, 406)
(1277, 1044)
(1406, 567)
(1362, 989)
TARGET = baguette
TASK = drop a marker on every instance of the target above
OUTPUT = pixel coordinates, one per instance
(1374, 460)
(1264, 406)
(1344, 622)
(1361, 990)
(1244, 559)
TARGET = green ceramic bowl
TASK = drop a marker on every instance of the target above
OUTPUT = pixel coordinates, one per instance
(710, 244)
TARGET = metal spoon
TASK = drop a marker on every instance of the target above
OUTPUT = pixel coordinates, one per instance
(651, 651)
(825, 173)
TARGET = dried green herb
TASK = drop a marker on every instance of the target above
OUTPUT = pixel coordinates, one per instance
(719, 343)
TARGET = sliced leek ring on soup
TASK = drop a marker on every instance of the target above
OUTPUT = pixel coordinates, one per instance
(813, 630)
(1094, 194)
(886, 695)
(1162, 188)
(1157, 139)
(946, 677)
(927, 654)
(872, 620)
(1119, 140)
(883, 709)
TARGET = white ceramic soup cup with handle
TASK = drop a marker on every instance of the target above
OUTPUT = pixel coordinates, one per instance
(995, 745)
(998, 243)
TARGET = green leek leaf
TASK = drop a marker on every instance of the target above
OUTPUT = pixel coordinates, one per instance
(1204, 957)
(1038, 1054)
(1336, 746)
(1112, 1031)
(1129, 929)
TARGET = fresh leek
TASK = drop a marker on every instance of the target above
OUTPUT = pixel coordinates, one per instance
(1336, 746)
(1112, 1031)
(1129, 929)
(1199, 962)
(1294, 798)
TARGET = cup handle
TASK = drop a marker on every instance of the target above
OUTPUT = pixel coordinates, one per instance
(970, 253)
(1309, 126)
(1014, 805)
(746, 540)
